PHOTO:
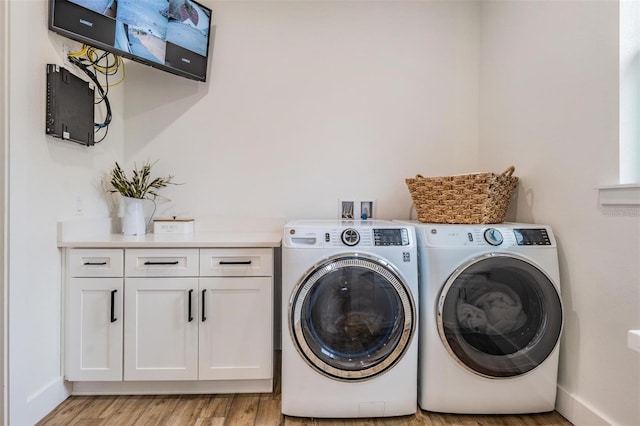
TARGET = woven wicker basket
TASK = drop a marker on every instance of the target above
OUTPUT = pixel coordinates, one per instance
(472, 198)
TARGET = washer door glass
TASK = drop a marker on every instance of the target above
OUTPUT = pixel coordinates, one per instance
(499, 316)
(352, 317)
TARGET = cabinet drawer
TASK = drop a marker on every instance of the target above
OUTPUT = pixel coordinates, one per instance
(161, 262)
(95, 263)
(236, 262)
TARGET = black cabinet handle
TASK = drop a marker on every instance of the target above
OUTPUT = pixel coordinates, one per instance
(204, 312)
(190, 314)
(113, 306)
(148, 262)
(238, 262)
(94, 263)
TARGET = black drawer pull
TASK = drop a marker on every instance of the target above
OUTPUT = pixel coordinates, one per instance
(190, 314)
(204, 297)
(149, 262)
(237, 262)
(113, 303)
(94, 263)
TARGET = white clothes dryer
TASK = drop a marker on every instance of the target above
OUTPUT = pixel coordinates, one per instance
(491, 318)
(349, 319)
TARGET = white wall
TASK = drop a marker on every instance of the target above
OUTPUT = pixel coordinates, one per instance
(549, 104)
(309, 102)
(46, 176)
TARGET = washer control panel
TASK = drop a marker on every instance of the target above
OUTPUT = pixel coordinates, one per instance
(390, 237)
(364, 234)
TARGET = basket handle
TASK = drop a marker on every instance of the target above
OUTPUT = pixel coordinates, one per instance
(509, 171)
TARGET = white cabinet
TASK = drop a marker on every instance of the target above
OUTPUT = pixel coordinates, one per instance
(236, 329)
(93, 349)
(170, 315)
(161, 330)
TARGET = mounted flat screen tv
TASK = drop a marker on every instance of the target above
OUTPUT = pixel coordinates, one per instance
(171, 35)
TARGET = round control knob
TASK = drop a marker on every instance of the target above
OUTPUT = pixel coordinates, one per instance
(493, 236)
(350, 237)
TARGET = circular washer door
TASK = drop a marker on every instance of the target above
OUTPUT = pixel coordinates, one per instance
(352, 317)
(499, 316)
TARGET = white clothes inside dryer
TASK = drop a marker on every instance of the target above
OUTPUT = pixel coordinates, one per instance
(489, 307)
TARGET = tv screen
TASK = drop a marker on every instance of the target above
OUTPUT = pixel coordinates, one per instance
(171, 35)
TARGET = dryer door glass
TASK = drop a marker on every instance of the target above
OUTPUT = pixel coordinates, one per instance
(352, 317)
(500, 316)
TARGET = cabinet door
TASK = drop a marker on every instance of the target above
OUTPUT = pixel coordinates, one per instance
(236, 328)
(94, 329)
(161, 330)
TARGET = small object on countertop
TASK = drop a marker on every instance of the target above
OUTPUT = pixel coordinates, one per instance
(173, 225)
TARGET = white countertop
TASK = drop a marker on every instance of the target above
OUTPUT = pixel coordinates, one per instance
(195, 240)
(98, 234)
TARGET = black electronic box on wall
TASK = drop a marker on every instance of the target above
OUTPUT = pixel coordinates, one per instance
(70, 106)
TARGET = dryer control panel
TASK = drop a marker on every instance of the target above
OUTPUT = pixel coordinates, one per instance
(498, 236)
(532, 237)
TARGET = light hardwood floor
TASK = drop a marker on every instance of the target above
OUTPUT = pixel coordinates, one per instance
(241, 410)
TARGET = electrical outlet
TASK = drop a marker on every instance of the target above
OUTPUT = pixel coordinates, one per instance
(79, 206)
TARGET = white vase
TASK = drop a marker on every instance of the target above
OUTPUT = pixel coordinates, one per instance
(133, 222)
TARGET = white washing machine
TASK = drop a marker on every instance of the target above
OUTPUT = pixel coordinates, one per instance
(491, 318)
(349, 319)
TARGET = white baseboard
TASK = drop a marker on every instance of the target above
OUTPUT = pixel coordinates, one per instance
(153, 387)
(577, 411)
(40, 403)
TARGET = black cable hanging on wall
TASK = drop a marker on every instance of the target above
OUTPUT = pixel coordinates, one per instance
(89, 61)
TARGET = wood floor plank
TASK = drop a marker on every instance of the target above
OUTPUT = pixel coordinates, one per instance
(534, 420)
(440, 419)
(268, 412)
(344, 422)
(398, 421)
(158, 410)
(358, 422)
(217, 406)
(422, 418)
(210, 421)
(89, 422)
(97, 406)
(464, 420)
(297, 421)
(129, 410)
(188, 410)
(111, 409)
(65, 413)
(512, 420)
(243, 410)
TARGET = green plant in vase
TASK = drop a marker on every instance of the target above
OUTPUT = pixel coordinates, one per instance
(135, 188)
(139, 185)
